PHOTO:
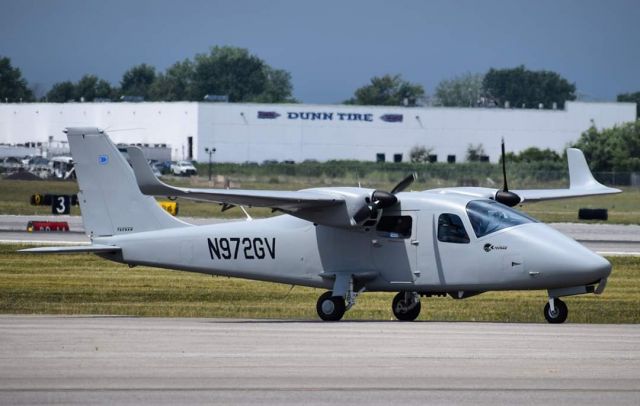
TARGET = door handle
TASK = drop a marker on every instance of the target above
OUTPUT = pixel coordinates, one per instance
(376, 243)
(415, 242)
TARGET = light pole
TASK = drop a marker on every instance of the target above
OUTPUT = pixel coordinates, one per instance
(210, 151)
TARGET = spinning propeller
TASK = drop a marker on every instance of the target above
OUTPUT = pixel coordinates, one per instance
(504, 196)
(380, 200)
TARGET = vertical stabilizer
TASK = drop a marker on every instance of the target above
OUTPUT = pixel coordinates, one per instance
(110, 200)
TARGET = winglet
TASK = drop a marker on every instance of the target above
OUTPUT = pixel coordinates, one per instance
(580, 176)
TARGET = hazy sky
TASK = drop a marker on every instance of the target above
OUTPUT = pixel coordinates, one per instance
(331, 47)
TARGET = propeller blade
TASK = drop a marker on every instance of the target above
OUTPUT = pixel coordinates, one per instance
(505, 188)
(362, 214)
(404, 183)
(504, 196)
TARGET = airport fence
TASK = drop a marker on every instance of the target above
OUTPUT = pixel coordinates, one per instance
(520, 175)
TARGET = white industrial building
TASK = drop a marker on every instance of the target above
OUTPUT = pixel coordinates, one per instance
(297, 132)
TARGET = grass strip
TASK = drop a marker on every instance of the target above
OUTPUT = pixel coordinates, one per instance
(86, 284)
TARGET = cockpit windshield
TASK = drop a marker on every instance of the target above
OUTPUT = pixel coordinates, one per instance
(488, 216)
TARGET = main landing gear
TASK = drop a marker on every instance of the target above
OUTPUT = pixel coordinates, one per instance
(330, 308)
(406, 306)
(555, 311)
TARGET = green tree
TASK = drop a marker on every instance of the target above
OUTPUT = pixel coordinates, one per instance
(89, 87)
(175, 83)
(104, 90)
(241, 76)
(616, 148)
(533, 154)
(461, 91)
(475, 152)
(420, 154)
(278, 88)
(13, 87)
(388, 90)
(62, 92)
(137, 81)
(633, 98)
(86, 88)
(522, 87)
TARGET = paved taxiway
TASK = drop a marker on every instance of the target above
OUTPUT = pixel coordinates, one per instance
(86, 360)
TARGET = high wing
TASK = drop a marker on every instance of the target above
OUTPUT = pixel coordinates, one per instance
(288, 201)
(581, 183)
(328, 206)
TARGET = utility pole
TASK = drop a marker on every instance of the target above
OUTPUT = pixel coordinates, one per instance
(210, 151)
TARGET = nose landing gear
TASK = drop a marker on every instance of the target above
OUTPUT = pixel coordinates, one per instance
(406, 306)
(555, 311)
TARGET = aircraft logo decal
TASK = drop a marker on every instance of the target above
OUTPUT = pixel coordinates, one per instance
(103, 159)
(489, 247)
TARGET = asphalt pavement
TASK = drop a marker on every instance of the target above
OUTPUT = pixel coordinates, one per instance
(123, 360)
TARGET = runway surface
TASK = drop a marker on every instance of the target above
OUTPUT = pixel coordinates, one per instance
(105, 360)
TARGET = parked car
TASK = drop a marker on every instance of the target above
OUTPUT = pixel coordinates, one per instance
(183, 168)
(62, 167)
(39, 166)
(163, 166)
(11, 164)
(154, 167)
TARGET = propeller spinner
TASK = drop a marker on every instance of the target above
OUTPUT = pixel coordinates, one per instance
(381, 199)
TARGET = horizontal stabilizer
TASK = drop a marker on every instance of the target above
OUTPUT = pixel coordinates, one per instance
(581, 182)
(95, 248)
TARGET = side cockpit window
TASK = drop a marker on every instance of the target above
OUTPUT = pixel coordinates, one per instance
(451, 229)
(394, 226)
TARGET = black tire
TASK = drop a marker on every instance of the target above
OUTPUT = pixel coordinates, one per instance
(329, 307)
(560, 314)
(400, 310)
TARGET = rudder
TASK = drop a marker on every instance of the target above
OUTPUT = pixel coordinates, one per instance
(110, 201)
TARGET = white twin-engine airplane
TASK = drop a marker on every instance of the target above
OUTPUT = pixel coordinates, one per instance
(453, 241)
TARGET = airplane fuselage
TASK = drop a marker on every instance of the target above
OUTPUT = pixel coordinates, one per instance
(406, 250)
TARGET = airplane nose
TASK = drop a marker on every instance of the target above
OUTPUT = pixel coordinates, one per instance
(563, 259)
(599, 266)
(586, 265)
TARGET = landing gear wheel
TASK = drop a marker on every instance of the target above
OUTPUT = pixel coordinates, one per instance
(406, 310)
(560, 313)
(329, 307)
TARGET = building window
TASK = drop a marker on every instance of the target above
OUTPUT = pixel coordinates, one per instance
(433, 158)
(484, 158)
(451, 159)
(380, 157)
(397, 158)
(451, 229)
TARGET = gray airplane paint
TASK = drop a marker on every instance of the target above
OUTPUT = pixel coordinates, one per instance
(332, 251)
